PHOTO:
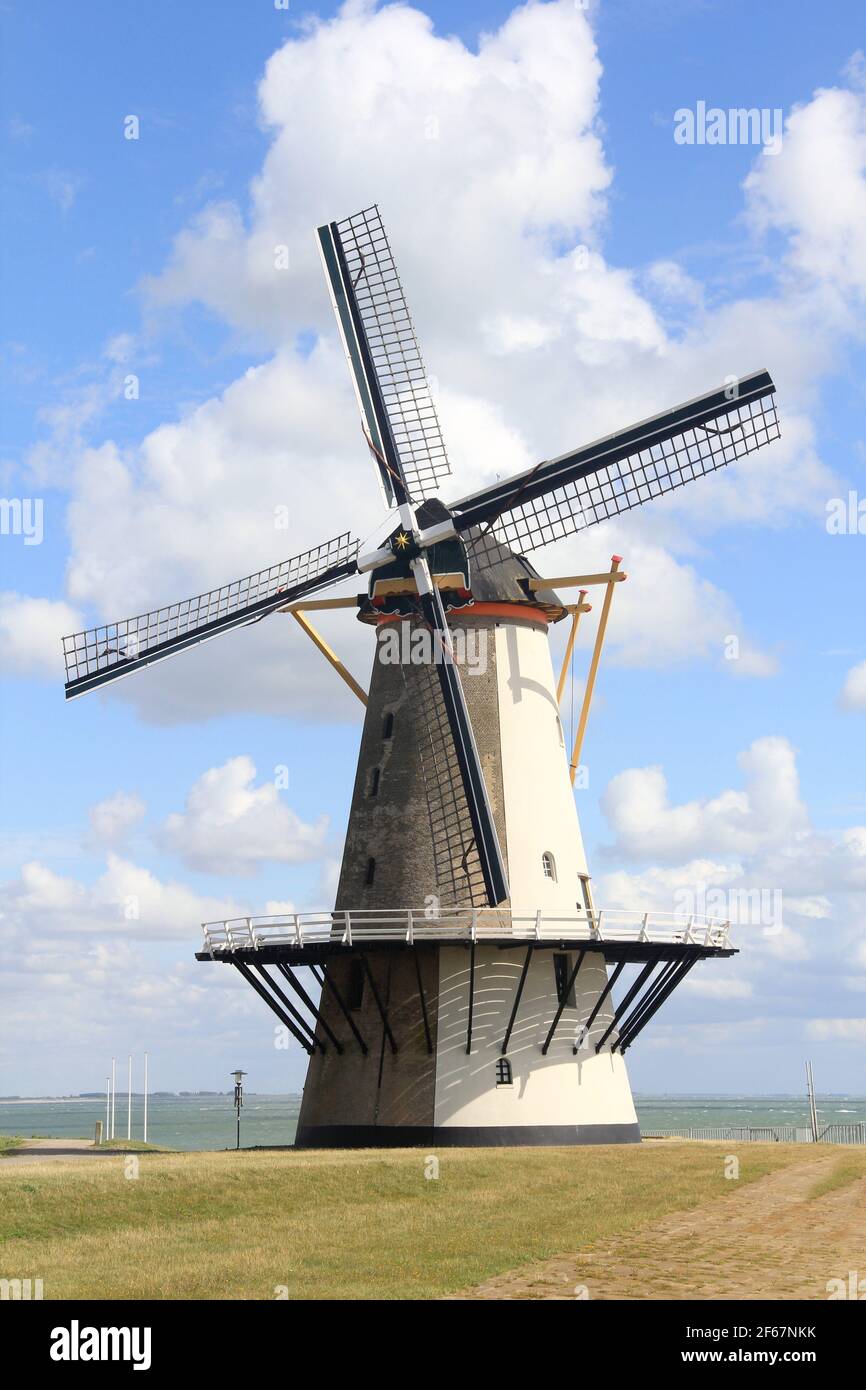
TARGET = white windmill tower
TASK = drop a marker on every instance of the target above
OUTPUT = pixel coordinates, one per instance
(458, 990)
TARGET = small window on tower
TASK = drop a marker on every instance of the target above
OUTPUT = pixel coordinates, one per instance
(355, 988)
(503, 1072)
(371, 872)
(374, 781)
(388, 725)
(548, 864)
(562, 968)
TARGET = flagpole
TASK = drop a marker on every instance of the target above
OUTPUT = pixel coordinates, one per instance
(145, 1097)
(113, 1093)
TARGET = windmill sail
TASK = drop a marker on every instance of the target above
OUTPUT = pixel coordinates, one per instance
(561, 496)
(460, 726)
(384, 358)
(404, 437)
(102, 654)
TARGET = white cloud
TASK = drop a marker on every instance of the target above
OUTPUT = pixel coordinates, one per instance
(231, 826)
(766, 811)
(30, 634)
(844, 1029)
(491, 175)
(714, 986)
(814, 189)
(853, 695)
(125, 901)
(111, 819)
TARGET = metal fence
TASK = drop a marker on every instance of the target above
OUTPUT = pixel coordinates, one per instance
(767, 1134)
(464, 924)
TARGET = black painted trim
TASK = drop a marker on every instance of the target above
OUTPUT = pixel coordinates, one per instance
(461, 1136)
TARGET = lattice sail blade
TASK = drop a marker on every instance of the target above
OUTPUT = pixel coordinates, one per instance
(105, 653)
(562, 496)
(383, 352)
(489, 852)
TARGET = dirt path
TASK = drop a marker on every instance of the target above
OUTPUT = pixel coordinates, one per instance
(33, 1149)
(770, 1240)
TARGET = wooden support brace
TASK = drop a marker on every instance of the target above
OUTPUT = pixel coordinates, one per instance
(575, 610)
(327, 652)
(612, 578)
(571, 581)
(312, 605)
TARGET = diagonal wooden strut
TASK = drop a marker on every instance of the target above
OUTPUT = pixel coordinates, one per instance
(289, 974)
(272, 1004)
(423, 999)
(517, 998)
(327, 981)
(657, 1001)
(565, 993)
(287, 1004)
(613, 578)
(584, 1032)
(471, 998)
(635, 989)
(327, 652)
(575, 610)
(654, 988)
(382, 1012)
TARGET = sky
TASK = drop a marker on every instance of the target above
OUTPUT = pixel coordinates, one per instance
(572, 266)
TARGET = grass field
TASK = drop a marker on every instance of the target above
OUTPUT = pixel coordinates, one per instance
(9, 1141)
(363, 1224)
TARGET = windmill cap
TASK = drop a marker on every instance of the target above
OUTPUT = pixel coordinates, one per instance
(616, 559)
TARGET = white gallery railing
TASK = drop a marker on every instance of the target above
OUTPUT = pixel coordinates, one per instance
(411, 924)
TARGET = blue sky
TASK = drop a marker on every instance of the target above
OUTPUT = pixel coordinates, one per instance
(145, 257)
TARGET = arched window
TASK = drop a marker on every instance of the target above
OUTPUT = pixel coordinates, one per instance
(388, 725)
(374, 782)
(503, 1072)
(548, 864)
(371, 872)
(560, 735)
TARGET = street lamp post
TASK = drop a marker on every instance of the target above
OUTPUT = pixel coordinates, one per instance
(239, 1100)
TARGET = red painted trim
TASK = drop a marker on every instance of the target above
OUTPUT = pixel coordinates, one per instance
(485, 610)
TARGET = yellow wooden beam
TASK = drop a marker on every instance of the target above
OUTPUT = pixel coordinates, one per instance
(612, 579)
(319, 603)
(327, 652)
(565, 581)
(575, 610)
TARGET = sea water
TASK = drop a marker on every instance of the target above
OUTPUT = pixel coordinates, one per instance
(209, 1121)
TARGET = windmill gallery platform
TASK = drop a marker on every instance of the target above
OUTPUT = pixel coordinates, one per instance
(496, 1011)
(473, 1027)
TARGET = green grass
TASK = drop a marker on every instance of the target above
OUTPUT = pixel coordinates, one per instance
(122, 1146)
(850, 1168)
(9, 1142)
(363, 1224)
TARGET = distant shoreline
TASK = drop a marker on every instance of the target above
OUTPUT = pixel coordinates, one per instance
(139, 1095)
(296, 1095)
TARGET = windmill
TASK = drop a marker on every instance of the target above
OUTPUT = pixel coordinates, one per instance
(462, 975)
